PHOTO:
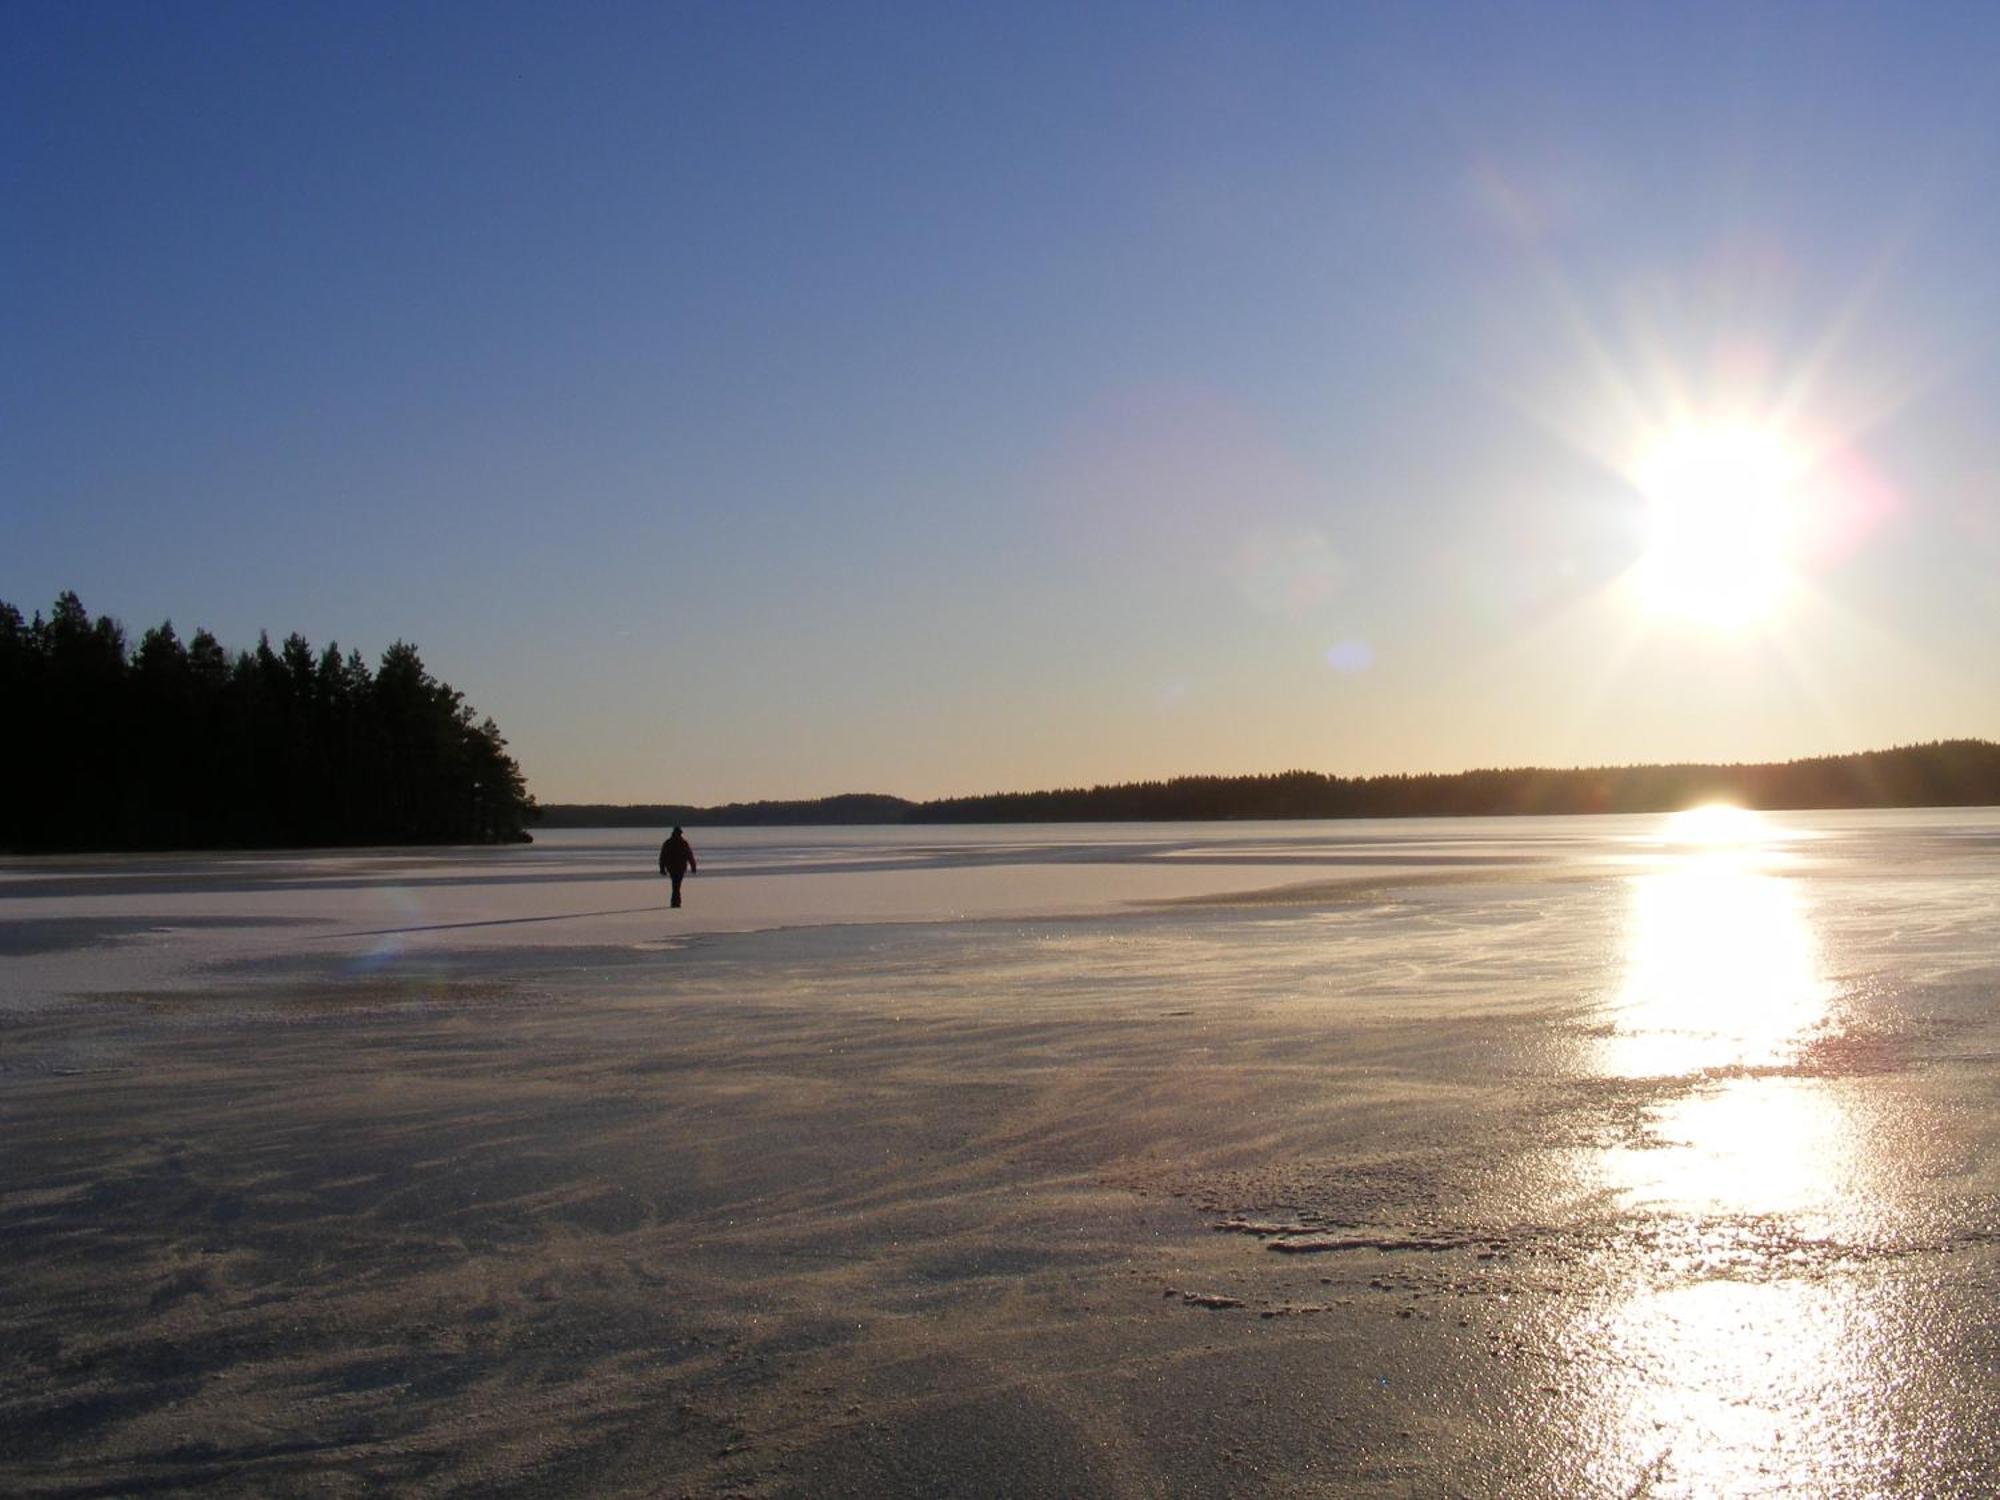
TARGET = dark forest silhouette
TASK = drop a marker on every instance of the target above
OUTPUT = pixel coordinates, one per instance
(1948, 773)
(172, 746)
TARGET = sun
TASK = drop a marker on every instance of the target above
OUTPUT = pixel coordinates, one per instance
(1721, 500)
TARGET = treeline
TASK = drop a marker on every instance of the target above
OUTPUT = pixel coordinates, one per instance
(172, 745)
(849, 807)
(1948, 773)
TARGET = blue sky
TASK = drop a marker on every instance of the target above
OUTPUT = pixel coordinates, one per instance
(750, 400)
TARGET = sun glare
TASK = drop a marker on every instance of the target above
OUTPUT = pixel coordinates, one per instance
(1714, 825)
(1719, 554)
(1723, 968)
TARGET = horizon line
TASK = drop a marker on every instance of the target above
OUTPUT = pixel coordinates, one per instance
(1198, 776)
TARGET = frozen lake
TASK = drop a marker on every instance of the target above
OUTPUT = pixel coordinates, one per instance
(1585, 1156)
(84, 925)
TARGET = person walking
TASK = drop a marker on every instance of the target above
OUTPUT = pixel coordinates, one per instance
(676, 860)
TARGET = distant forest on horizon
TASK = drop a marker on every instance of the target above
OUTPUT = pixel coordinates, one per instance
(1944, 773)
(186, 746)
(173, 745)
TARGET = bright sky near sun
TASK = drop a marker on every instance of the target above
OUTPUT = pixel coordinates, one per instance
(743, 400)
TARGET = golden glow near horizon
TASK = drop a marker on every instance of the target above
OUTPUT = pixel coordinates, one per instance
(1720, 552)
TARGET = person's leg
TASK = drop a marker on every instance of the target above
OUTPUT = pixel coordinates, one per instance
(677, 877)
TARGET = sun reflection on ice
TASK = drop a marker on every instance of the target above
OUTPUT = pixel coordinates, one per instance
(1756, 1146)
(1715, 826)
(1725, 986)
(1734, 1386)
(1745, 1342)
(1722, 967)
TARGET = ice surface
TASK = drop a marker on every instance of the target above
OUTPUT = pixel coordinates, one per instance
(1600, 1156)
(108, 925)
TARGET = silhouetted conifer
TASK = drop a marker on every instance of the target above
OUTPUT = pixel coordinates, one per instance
(173, 746)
